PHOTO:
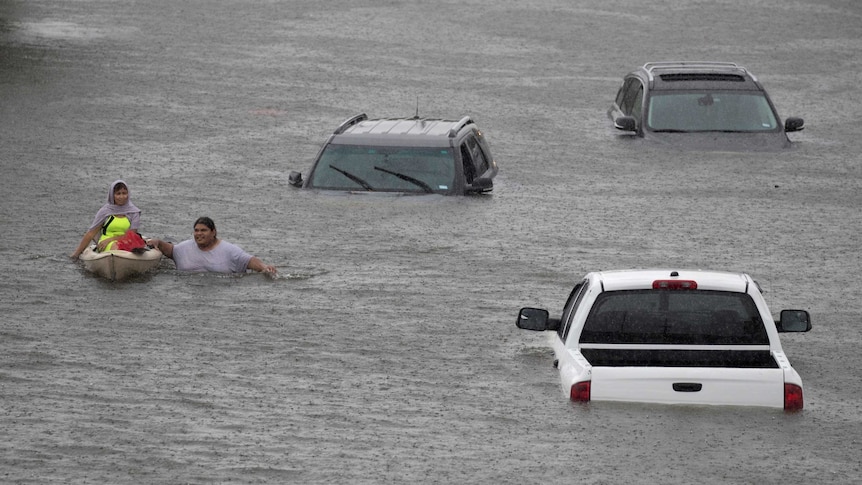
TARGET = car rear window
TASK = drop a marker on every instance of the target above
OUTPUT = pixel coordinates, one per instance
(674, 317)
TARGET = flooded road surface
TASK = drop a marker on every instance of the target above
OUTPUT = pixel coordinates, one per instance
(386, 350)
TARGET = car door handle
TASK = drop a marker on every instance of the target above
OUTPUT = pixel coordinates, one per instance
(687, 386)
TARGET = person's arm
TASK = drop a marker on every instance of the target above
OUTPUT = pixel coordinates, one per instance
(257, 265)
(88, 237)
(165, 247)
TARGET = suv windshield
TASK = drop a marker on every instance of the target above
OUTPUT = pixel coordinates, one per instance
(715, 111)
(674, 317)
(384, 168)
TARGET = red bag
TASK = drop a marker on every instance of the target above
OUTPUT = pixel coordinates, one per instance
(130, 241)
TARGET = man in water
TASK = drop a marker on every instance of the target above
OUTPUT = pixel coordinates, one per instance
(209, 253)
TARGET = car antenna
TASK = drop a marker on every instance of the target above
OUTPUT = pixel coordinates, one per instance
(417, 109)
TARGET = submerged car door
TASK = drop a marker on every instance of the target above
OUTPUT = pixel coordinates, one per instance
(629, 102)
(568, 360)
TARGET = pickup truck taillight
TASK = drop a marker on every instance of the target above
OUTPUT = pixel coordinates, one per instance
(580, 391)
(792, 397)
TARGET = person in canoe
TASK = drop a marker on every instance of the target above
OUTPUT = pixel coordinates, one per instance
(112, 221)
(207, 253)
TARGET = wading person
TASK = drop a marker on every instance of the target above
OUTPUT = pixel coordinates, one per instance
(207, 253)
(112, 220)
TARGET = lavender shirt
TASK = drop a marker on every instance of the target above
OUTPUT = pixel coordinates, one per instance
(224, 258)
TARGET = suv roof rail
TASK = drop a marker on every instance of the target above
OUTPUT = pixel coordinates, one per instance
(350, 122)
(461, 124)
(649, 67)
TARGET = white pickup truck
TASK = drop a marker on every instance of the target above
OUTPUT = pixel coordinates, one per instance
(674, 337)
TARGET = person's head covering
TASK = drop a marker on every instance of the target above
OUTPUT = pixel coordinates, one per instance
(110, 209)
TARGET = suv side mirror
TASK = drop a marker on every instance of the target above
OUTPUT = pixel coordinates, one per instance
(536, 319)
(480, 185)
(794, 321)
(626, 123)
(793, 124)
(295, 179)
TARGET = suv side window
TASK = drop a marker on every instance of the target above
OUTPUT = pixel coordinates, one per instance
(474, 158)
(632, 96)
(637, 104)
(621, 93)
(480, 161)
(467, 162)
(572, 303)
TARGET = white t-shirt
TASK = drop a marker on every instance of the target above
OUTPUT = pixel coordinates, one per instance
(224, 258)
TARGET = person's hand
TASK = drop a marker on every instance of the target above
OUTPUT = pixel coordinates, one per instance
(256, 264)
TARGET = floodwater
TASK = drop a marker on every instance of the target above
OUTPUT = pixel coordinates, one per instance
(386, 349)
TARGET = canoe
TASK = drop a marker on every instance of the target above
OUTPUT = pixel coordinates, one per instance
(117, 265)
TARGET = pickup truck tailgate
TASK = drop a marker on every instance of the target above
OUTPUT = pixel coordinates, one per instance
(689, 385)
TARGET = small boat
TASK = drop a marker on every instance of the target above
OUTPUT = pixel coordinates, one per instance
(118, 265)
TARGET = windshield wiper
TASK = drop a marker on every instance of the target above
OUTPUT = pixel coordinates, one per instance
(427, 188)
(365, 185)
(670, 131)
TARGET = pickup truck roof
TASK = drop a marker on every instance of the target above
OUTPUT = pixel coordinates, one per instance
(644, 279)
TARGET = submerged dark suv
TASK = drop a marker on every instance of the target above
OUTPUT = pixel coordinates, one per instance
(718, 105)
(406, 155)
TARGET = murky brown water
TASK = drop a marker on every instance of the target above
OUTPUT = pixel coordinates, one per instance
(387, 352)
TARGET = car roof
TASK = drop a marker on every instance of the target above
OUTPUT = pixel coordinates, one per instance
(360, 130)
(680, 75)
(638, 279)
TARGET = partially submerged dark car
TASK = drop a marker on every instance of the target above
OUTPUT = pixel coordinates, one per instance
(700, 105)
(403, 155)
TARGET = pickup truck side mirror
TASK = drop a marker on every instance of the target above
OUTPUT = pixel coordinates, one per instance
(793, 124)
(626, 123)
(536, 319)
(295, 179)
(794, 321)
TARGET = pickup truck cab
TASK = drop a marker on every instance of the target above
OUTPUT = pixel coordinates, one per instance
(673, 337)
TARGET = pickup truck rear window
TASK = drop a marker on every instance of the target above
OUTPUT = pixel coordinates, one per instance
(690, 317)
(750, 359)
